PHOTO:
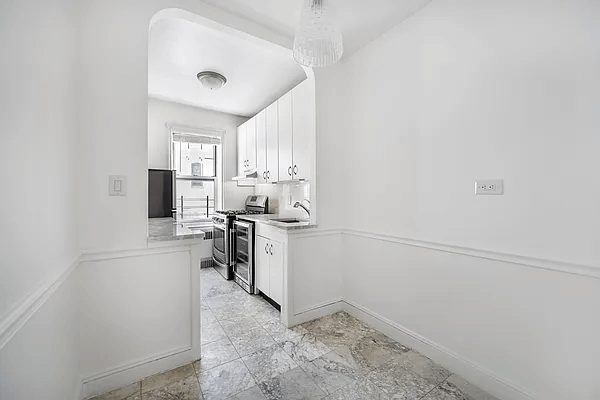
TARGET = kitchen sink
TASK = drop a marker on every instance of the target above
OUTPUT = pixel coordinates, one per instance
(288, 220)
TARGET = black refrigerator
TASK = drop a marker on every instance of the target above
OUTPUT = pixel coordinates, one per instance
(161, 193)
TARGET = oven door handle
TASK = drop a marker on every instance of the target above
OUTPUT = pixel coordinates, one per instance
(233, 255)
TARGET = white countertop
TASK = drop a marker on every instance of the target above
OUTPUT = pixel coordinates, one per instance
(269, 219)
(167, 229)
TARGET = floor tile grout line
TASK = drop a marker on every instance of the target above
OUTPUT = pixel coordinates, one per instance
(434, 388)
(197, 374)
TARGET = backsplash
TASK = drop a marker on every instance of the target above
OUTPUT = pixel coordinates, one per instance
(279, 198)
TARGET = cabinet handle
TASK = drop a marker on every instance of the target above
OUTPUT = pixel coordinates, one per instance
(268, 174)
(271, 249)
(265, 175)
(290, 171)
(295, 170)
(267, 248)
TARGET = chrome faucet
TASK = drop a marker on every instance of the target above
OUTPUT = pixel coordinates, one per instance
(297, 204)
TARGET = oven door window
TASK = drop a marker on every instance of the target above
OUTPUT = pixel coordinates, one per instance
(243, 252)
(220, 243)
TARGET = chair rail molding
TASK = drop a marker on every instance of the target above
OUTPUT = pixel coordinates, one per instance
(23, 310)
(558, 266)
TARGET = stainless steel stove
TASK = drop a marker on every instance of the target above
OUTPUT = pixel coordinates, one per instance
(233, 242)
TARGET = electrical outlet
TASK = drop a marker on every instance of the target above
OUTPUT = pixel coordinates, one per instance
(492, 187)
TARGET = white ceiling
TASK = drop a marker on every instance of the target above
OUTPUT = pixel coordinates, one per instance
(361, 21)
(256, 74)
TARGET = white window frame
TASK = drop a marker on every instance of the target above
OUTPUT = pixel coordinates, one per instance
(211, 132)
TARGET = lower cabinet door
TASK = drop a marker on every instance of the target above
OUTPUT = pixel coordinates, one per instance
(276, 272)
(263, 259)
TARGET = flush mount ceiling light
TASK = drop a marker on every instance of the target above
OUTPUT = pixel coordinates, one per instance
(318, 41)
(211, 80)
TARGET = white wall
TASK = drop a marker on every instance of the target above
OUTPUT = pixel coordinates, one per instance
(468, 90)
(162, 112)
(38, 145)
(38, 229)
(133, 309)
(114, 113)
(41, 362)
(476, 91)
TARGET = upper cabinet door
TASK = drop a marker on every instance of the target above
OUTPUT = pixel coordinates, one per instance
(303, 102)
(261, 146)
(251, 145)
(284, 105)
(241, 149)
(272, 143)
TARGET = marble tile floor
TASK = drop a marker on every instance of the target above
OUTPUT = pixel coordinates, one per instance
(247, 354)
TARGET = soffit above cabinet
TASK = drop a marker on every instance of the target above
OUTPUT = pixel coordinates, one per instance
(361, 22)
(256, 75)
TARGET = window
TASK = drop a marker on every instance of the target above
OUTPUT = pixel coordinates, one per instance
(196, 158)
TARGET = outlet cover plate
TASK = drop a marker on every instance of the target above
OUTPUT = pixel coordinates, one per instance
(494, 187)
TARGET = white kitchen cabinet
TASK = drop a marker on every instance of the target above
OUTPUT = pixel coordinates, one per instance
(261, 146)
(279, 142)
(276, 271)
(262, 271)
(272, 135)
(284, 112)
(269, 268)
(241, 149)
(251, 145)
(303, 131)
(247, 147)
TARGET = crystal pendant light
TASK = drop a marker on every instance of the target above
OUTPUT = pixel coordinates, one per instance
(318, 41)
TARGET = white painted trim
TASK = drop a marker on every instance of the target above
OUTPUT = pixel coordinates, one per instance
(156, 244)
(91, 256)
(467, 369)
(582, 270)
(315, 312)
(317, 306)
(308, 233)
(126, 374)
(204, 131)
(18, 316)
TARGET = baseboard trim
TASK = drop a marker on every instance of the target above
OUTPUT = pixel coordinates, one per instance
(122, 376)
(18, 316)
(466, 369)
(574, 269)
(317, 311)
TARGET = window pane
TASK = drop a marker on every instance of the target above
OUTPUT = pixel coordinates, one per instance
(195, 195)
(197, 159)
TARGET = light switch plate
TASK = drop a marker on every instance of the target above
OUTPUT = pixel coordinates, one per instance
(489, 187)
(117, 185)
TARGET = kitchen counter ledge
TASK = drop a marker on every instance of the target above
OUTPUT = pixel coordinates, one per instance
(268, 219)
(167, 229)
